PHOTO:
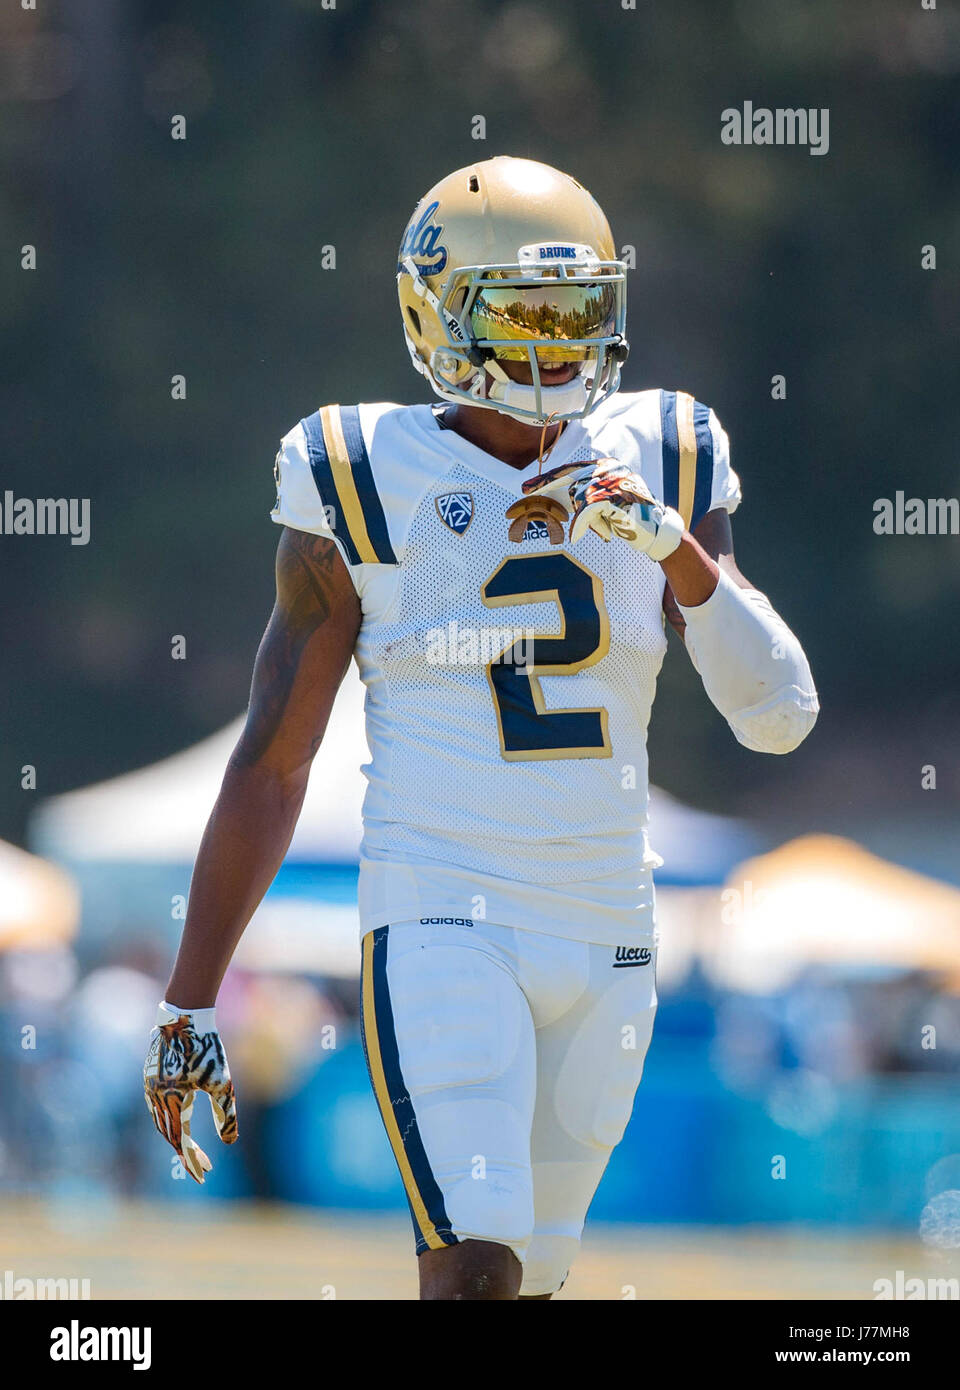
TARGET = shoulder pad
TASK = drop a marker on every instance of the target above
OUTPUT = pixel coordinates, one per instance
(688, 455)
(341, 470)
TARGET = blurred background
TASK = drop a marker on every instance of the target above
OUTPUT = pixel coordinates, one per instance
(798, 1129)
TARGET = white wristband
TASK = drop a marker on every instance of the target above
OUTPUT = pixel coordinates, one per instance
(202, 1020)
(669, 535)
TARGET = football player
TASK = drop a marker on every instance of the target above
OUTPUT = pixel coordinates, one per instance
(499, 565)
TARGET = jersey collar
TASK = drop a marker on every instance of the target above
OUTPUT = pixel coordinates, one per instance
(479, 461)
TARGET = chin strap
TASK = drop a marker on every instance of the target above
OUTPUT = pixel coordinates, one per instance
(543, 439)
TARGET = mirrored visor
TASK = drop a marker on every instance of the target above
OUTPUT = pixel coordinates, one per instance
(561, 312)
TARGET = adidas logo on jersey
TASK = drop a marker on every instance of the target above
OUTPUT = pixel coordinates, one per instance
(536, 519)
(455, 510)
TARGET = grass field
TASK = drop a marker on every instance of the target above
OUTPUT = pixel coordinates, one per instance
(238, 1251)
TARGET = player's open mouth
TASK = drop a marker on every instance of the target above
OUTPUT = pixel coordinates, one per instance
(559, 375)
(556, 375)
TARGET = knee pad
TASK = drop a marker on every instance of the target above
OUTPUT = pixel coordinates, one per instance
(497, 1207)
(549, 1258)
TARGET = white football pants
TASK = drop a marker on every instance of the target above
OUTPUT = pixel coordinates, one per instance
(505, 1064)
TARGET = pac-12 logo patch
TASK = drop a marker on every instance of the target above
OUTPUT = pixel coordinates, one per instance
(455, 509)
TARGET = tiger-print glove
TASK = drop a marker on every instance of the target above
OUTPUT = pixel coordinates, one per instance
(611, 499)
(186, 1055)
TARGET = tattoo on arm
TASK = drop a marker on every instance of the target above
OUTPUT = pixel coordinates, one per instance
(305, 567)
(310, 595)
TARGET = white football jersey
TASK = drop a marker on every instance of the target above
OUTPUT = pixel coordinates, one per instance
(509, 680)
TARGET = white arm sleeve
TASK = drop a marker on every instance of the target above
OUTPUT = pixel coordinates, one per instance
(752, 668)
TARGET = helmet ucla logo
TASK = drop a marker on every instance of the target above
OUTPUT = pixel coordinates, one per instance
(421, 241)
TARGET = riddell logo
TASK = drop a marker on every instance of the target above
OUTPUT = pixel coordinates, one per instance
(631, 955)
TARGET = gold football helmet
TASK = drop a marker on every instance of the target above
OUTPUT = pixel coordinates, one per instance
(510, 260)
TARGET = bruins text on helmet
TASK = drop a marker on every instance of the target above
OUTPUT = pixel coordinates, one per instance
(510, 260)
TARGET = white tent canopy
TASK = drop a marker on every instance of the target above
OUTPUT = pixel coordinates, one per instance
(157, 814)
(826, 900)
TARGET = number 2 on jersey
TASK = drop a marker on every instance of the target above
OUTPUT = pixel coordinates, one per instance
(528, 730)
